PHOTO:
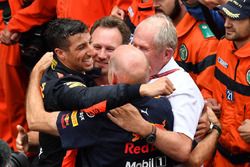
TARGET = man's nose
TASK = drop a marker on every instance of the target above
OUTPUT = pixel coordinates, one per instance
(102, 53)
(91, 50)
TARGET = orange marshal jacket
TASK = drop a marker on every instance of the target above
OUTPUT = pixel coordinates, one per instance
(232, 90)
(137, 10)
(41, 11)
(87, 11)
(196, 49)
(14, 80)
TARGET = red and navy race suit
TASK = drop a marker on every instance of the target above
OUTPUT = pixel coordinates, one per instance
(65, 89)
(104, 144)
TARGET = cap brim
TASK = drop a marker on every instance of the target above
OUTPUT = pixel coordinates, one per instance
(231, 11)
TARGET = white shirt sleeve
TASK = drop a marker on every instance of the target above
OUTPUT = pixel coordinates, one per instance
(187, 103)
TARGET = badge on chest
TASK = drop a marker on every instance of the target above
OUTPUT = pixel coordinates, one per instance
(230, 95)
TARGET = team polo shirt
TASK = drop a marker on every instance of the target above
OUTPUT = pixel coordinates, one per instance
(104, 144)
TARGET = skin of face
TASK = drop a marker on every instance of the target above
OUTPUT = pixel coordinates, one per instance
(237, 30)
(170, 8)
(143, 40)
(104, 41)
(125, 58)
(79, 55)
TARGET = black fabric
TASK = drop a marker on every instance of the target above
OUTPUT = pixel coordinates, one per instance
(104, 144)
(6, 11)
(145, 9)
(32, 46)
(129, 24)
(231, 84)
(233, 158)
(199, 67)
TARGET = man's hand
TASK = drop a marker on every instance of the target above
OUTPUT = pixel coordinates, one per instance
(22, 142)
(162, 86)
(128, 118)
(208, 3)
(214, 105)
(43, 63)
(244, 130)
(212, 117)
(117, 12)
(212, 3)
(203, 126)
(8, 38)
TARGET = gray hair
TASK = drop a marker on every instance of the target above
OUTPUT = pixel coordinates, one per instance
(166, 36)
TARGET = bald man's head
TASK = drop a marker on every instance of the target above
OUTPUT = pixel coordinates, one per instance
(128, 65)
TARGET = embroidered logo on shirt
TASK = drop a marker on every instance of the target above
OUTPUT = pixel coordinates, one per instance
(74, 119)
(131, 12)
(230, 95)
(53, 64)
(64, 120)
(145, 111)
(222, 62)
(135, 137)
(248, 77)
(183, 52)
(81, 116)
(74, 84)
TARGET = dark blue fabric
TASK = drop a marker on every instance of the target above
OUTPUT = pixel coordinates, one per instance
(104, 144)
(197, 13)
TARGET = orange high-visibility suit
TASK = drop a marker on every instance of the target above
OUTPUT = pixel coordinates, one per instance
(5, 128)
(232, 91)
(38, 13)
(13, 80)
(136, 9)
(196, 49)
(88, 11)
(14, 77)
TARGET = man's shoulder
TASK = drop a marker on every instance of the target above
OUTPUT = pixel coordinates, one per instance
(159, 104)
(49, 74)
(156, 110)
(181, 77)
(201, 32)
(149, 101)
(184, 84)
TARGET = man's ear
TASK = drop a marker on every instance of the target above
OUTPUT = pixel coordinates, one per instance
(150, 69)
(112, 77)
(60, 53)
(169, 52)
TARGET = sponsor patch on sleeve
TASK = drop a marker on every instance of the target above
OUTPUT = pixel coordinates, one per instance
(74, 84)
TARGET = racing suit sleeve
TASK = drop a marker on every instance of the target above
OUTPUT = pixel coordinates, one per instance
(69, 93)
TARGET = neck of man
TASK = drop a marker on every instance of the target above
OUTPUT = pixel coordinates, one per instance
(179, 18)
(102, 80)
(240, 44)
(178, 12)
